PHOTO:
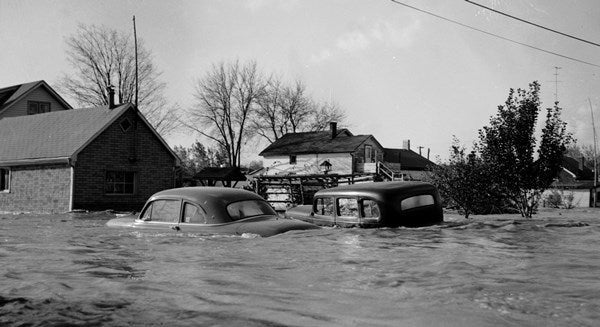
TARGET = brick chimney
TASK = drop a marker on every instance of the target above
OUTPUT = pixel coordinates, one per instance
(333, 129)
(111, 97)
(406, 144)
(581, 163)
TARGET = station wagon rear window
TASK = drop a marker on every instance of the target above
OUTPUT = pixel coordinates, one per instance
(417, 201)
(249, 208)
(370, 209)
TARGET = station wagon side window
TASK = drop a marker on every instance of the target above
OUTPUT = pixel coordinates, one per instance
(417, 201)
(347, 207)
(163, 211)
(324, 206)
(194, 214)
(370, 209)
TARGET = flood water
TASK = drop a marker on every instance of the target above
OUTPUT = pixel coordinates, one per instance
(72, 270)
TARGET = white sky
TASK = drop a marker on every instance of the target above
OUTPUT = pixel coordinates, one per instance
(398, 73)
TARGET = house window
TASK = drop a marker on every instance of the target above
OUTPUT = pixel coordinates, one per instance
(4, 180)
(120, 182)
(292, 160)
(37, 107)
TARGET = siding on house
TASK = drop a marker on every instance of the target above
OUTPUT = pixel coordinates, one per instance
(38, 189)
(376, 152)
(306, 164)
(39, 94)
(112, 151)
(14, 99)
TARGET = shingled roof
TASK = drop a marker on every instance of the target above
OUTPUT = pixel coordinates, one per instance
(55, 136)
(315, 142)
(12, 94)
(409, 159)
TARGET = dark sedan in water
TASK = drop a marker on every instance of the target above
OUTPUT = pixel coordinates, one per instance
(210, 210)
(375, 204)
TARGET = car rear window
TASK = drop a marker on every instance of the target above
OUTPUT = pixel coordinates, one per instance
(249, 208)
(417, 201)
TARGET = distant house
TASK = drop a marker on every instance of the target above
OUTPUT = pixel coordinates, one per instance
(339, 152)
(107, 157)
(30, 99)
(575, 179)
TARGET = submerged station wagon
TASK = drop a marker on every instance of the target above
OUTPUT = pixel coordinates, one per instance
(210, 210)
(376, 204)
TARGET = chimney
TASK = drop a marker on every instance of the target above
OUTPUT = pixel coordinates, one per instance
(406, 144)
(333, 129)
(582, 163)
(111, 97)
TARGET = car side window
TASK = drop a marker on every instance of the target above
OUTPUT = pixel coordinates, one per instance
(370, 209)
(324, 206)
(164, 211)
(347, 207)
(193, 214)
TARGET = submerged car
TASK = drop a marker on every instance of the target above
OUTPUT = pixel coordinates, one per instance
(210, 210)
(374, 204)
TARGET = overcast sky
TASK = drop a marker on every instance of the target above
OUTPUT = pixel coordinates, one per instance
(397, 72)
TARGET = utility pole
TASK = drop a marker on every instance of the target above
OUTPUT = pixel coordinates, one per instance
(595, 197)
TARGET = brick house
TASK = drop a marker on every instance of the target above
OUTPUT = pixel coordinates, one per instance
(339, 152)
(29, 99)
(107, 157)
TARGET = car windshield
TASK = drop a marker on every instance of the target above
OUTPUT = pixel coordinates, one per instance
(249, 208)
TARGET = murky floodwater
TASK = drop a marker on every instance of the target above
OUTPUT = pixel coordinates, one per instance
(73, 270)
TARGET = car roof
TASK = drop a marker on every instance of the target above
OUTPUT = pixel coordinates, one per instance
(378, 189)
(201, 194)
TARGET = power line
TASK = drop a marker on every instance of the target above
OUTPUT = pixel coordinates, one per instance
(494, 35)
(534, 24)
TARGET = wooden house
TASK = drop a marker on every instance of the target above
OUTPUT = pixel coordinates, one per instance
(30, 99)
(340, 152)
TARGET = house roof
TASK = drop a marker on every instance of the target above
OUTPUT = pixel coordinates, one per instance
(574, 167)
(316, 142)
(56, 136)
(409, 159)
(12, 94)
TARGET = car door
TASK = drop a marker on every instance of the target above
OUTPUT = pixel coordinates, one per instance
(323, 211)
(161, 214)
(347, 213)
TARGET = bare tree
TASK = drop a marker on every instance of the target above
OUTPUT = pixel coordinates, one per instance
(103, 57)
(288, 109)
(226, 97)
